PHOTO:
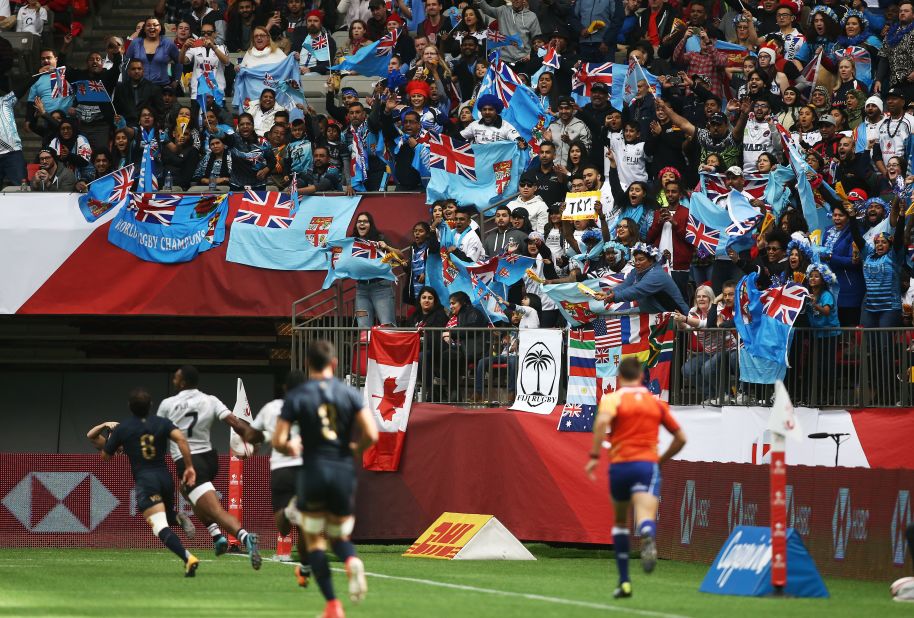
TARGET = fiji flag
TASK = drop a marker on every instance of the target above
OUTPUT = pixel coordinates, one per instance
(744, 217)
(708, 222)
(250, 81)
(417, 10)
(208, 86)
(169, 229)
(576, 307)
(90, 91)
(861, 60)
(551, 62)
(318, 47)
(352, 258)
(105, 193)
(764, 321)
(495, 39)
(523, 109)
(816, 217)
(477, 175)
(372, 59)
(511, 268)
(634, 75)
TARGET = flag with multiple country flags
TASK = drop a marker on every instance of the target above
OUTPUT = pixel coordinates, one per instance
(356, 259)
(300, 246)
(523, 108)
(372, 59)
(595, 352)
(90, 91)
(106, 193)
(169, 229)
(475, 175)
(390, 379)
(764, 320)
(60, 87)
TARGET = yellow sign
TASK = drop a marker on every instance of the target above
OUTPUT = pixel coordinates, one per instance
(448, 535)
(581, 205)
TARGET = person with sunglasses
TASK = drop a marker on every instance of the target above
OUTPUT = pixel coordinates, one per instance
(205, 56)
(51, 176)
(537, 210)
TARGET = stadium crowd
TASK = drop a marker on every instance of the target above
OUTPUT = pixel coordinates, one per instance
(719, 113)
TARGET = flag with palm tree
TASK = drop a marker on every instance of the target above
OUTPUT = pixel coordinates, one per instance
(539, 370)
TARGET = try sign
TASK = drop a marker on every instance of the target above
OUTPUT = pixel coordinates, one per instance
(580, 205)
(462, 536)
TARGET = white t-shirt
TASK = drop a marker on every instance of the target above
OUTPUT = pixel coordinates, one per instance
(536, 209)
(193, 412)
(631, 163)
(202, 60)
(892, 136)
(757, 138)
(30, 20)
(266, 423)
(469, 243)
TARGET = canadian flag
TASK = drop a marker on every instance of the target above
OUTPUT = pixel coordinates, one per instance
(393, 364)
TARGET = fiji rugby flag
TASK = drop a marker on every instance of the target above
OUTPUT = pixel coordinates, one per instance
(250, 81)
(90, 91)
(352, 258)
(105, 193)
(863, 64)
(169, 229)
(372, 59)
(390, 379)
(474, 174)
(261, 240)
(523, 109)
(318, 47)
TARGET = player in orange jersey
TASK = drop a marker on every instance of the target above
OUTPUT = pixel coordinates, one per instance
(632, 416)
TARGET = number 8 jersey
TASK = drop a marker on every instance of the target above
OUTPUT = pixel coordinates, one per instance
(193, 412)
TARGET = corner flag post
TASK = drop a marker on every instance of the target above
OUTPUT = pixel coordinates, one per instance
(783, 424)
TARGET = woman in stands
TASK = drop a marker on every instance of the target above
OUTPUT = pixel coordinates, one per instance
(790, 98)
(703, 344)
(844, 261)
(101, 166)
(122, 154)
(425, 243)
(823, 317)
(847, 81)
(250, 163)
(462, 347)
(544, 268)
(473, 24)
(429, 311)
(263, 49)
(180, 157)
(431, 69)
(73, 149)
(547, 92)
(374, 298)
(147, 132)
(158, 54)
(578, 155)
(216, 163)
(635, 203)
(358, 38)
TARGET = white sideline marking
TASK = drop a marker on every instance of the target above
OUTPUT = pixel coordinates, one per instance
(507, 593)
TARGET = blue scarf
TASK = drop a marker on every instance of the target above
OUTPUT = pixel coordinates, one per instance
(897, 33)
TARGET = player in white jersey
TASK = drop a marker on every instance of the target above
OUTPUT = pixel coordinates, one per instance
(194, 412)
(284, 471)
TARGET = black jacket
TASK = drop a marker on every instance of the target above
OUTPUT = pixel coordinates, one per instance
(129, 98)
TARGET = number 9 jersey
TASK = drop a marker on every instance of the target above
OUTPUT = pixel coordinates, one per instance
(193, 412)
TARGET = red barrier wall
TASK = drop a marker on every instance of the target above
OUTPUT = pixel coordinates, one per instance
(101, 279)
(852, 520)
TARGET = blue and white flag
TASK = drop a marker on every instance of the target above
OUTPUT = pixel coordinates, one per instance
(372, 59)
(103, 194)
(251, 81)
(169, 229)
(300, 246)
(357, 259)
(818, 218)
(417, 9)
(90, 91)
(147, 182)
(318, 47)
(711, 225)
(523, 108)
(614, 77)
(474, 174)
(764, 321)
(551, 62)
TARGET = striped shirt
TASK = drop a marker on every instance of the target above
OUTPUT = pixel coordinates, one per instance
(880, 272)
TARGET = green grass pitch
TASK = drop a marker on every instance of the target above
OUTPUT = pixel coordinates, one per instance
(561, 583)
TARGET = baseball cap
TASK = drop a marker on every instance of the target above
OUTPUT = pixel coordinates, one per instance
(895, 91)
(734, 170)
(827, 119)
(717, 118)
(599, 87)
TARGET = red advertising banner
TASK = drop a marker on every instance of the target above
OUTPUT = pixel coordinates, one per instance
(49, 500)
(852, 520)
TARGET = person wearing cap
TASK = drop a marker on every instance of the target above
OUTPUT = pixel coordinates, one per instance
(795, 47)
(716, 138)
(505, 237)
(52, 176)
(894, 130)
(828, 129)
(314, 27)
(594, 115)
(490, 127)
(648, 284)
(896, 70)
(514, 18)
(566, 129)
(527, 198)
(377, 23)
(405, 48)
(867, 133)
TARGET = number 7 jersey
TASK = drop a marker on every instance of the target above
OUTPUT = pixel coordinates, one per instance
(193, 412)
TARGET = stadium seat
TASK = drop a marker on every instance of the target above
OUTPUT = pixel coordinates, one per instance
(27, 46)
(342, 38)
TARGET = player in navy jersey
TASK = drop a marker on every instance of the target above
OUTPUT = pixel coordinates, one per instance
(145, 440)
(334, 424)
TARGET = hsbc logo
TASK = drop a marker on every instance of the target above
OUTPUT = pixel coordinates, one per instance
(60, 502)
(693, 512)
(901, 518)
(847, 523)
(797, 516)
(740, 513)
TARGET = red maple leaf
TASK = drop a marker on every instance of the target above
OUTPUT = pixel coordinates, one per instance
(391, 399)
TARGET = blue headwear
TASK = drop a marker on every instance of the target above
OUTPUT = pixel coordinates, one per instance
(592, 234)
(827, 275)
(490, 99)
(825, 11)
(864, 22)
(618, 248)
(649, 250)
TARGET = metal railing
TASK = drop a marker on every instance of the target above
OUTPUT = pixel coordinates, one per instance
(848, 368)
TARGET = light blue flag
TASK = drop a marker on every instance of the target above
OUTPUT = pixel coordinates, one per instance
(147, 183)
(523, 109)
(817, 218)
(776, 193)
(577, 308)
(208, 86)
(169, 229)
(593, 72)
(713, 217)
(318, 47)
(317, 220)
(743, 218)
(353, 258)
(479, 175)
(106, 193)
(369, 60)
(417, 9)
(251, 81)
(625, 90)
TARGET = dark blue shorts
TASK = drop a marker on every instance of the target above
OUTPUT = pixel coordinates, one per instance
(632, 477)
(326, 485)
(154, 487)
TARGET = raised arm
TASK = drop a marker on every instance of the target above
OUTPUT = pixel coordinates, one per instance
(95, 434)
(680, 121)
